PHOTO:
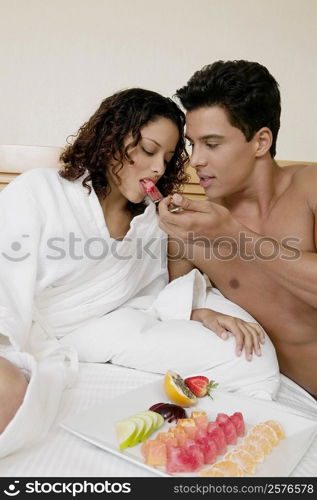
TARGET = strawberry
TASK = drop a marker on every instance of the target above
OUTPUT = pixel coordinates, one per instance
(200, 386)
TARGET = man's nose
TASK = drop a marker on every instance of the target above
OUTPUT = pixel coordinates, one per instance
(197, 158)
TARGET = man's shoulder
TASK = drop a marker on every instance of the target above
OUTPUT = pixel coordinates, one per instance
(305, 181)
(305, 171)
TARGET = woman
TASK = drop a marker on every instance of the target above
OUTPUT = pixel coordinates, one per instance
(94, 259)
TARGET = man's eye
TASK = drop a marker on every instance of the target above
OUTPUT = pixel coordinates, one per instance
(211, 146)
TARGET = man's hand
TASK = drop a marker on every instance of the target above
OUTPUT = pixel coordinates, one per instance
(249, 336)
(199, 219)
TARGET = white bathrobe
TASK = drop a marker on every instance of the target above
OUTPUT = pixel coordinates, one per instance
(69, 291)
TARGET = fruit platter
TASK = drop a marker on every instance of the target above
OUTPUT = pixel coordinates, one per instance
(191, 427)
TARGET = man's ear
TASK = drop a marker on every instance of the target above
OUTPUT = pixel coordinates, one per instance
(263, 140)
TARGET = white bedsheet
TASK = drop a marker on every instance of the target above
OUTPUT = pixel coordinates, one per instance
(62, 454)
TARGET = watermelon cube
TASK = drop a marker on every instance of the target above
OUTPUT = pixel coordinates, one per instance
(238, 422)
(228, 427)
(201, 435)
(184, 459)
(217, 434)
(209, 449)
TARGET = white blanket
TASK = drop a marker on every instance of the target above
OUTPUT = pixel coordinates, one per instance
(161, 338)
(70, 289)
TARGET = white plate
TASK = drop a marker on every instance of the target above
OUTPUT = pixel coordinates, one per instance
(97, 425)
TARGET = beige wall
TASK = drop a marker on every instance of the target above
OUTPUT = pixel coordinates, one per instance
(59, 58)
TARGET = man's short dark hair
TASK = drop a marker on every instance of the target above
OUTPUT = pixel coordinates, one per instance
(245, 90)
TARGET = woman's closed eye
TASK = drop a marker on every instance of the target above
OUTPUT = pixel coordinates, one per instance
(149, 153)
(211, 145)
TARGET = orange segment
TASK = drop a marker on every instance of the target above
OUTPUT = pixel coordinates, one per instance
(277, 427)
(259, 440)
(266, 431)
(254, 449)
(223, 468)
(242, 458)
(177, 391)
(212, 472)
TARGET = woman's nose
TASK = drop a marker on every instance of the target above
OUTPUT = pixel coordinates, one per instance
(159, 167)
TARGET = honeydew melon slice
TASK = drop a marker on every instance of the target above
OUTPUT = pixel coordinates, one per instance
(149, 425)
(126, 431)
(157, 419)
(140, 423)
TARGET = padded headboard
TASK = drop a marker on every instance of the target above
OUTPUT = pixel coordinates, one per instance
(17, 159)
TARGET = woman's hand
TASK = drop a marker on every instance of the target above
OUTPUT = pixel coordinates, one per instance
(248, 335)
(13, 385)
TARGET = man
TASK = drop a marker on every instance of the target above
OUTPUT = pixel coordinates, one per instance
(256, 235)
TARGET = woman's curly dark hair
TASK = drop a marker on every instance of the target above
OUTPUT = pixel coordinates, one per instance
(101, 140)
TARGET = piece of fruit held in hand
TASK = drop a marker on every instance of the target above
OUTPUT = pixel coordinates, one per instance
(169, 411)
(200, 386)
(177, 391)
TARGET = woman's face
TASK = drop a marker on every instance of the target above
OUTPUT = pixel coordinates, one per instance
(150, 158)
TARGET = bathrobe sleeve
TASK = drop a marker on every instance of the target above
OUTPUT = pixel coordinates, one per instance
(20, 223)
(48, 366)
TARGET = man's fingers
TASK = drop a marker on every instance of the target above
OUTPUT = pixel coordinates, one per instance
(191, 205)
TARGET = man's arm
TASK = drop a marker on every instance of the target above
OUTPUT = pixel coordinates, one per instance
(294, 270)
(178, 265)
(248, 335)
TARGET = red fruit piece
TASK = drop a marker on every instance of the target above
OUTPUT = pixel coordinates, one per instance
(151, 190)
(200, 386)
(238, 422)
(216, 433)
(201, 434)
(209, 449)
(184, 459)
(207, 446)
(228, 427)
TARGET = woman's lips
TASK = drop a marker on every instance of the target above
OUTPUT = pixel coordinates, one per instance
(206, 181)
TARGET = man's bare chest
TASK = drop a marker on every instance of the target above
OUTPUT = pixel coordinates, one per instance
(290, 222)
(238, 272)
